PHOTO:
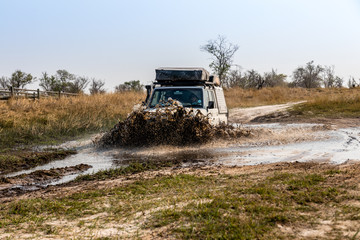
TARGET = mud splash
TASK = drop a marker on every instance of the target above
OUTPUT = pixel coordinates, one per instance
(172, 125)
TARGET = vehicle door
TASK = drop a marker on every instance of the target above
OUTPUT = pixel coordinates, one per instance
(212, 107)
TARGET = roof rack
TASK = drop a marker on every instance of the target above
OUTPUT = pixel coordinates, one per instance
(184, 77)
(184, 83)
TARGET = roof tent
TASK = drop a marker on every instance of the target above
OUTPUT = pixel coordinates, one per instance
(181, 74)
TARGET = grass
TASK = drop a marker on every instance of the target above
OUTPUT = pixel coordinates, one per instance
(132, 168)
(238, 97)
(247, 211)
(46, 121)
(330, 103)
(333, 104)
(192, 206)
(187, 206)
(11, 161)
(27, 122)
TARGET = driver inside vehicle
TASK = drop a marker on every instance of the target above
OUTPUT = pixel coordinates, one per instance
(168, 96)
(195, 100)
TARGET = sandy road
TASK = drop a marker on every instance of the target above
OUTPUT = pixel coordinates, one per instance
(245, 115)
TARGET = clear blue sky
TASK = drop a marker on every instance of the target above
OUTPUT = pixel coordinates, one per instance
(118, 41)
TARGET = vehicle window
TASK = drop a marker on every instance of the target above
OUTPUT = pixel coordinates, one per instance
(187, 97)
(155, 98)
(211, 96)
(206, 98)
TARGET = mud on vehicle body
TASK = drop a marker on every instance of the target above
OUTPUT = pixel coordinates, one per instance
(191, 88)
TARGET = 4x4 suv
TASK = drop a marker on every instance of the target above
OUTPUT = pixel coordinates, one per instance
(192, 88)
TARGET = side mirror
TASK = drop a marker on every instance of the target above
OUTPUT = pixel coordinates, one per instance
(211, 105)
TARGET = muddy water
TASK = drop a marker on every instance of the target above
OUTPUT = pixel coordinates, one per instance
(270, 143)
(86, 154)
(337, 146)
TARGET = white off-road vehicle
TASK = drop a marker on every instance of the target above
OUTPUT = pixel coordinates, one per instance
(192, 88)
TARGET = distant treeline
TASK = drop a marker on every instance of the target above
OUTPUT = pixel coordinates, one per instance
(308, 76)
(64, 81)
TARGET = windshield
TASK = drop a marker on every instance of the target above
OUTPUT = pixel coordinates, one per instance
(188, 97)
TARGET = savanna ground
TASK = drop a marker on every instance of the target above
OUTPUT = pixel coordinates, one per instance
(160, 199)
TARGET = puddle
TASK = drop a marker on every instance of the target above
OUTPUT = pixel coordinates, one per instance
(336, 147)
(271, 143)
(278, 125)
(98, 160)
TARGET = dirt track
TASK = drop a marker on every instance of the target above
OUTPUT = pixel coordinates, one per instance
(245, 115)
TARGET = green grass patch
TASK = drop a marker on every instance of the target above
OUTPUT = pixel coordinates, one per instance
(132, 168)
(247, 211)
(195, 207)
(339, 106)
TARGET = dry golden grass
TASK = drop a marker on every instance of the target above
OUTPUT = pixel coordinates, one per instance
(26, 121)
(332, 103)
(23, 120)
(238, 97)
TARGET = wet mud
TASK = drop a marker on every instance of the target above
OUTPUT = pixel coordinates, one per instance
(16, 160)
(172, 125)
(238, 144)
(185, 158)
(39, 179)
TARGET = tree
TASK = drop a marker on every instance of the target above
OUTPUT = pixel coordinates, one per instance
(352, 82)
(49, 83)
(235, 78)
(63, 81)
(308, 76)
(97, 87)
(78, 85)
(273, 79)
(133, 85)
(329, 76)
(339, 82)
(330, 79)
(254, 79)
(19, 79)
(4, 82)
(223, 53)
(58, 82)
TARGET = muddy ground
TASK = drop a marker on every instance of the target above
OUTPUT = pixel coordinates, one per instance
(337, 219)
(19, 183)
(199, 161)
